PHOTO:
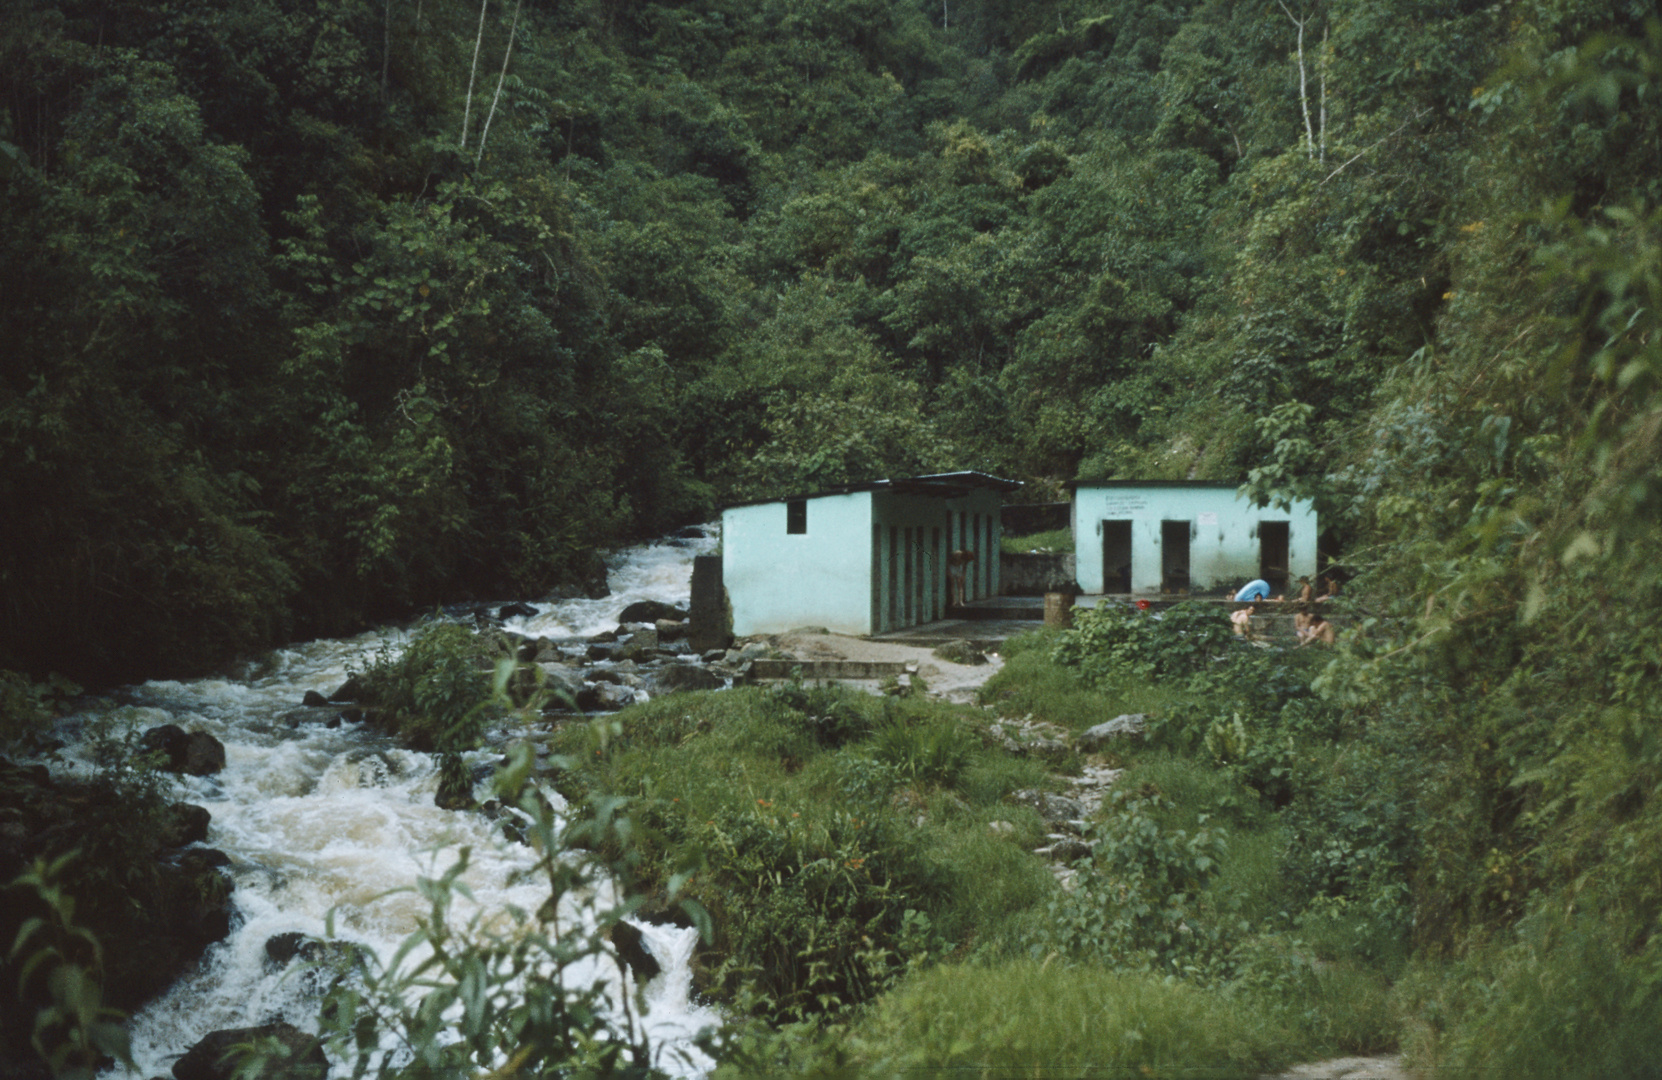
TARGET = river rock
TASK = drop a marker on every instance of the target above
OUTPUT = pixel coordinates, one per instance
(1065, 849)
(750, 650)
(1051, 807)
(328, 715)
(560, 677)
(196, 753)
(650, 611)
(605, 697)
(314, 700)
(960, 652)
(672, 678)
(516, 611)
(632, 954)
(670, 629)
(350, 692)
(294, 1054)
(1098, 737)
(690, 532)
(183, 824)
(644, 637)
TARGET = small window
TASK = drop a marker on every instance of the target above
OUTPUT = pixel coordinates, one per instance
(796, 516)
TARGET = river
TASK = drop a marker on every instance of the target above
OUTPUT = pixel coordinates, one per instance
(318, 820)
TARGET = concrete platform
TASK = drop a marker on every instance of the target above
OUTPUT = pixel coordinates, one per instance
(992, 620)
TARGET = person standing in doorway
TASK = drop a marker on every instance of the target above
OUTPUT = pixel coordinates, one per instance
(957, 568)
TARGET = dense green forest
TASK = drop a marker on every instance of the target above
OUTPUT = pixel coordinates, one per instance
(317, 311)
(313, 311)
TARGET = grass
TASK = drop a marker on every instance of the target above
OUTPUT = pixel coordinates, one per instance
(1029, 684)
(1054, 540)
(1027, 1018)
(874, 836)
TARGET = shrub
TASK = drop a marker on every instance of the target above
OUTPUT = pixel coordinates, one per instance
(814, 913)
(1139, 904)
(1567, 998)
(436, 693)
(1112, 640)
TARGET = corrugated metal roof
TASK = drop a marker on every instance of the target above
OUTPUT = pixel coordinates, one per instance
(935, 485)
(1075, 484)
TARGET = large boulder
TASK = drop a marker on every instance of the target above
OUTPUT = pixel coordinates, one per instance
(632, 953)
(185, 824)
(650, 611)
(196, 752)
(290, 1054)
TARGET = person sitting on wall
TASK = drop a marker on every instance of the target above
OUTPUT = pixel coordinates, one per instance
(1332, 590)
(1320, 630)
(1242, 618)
(1301, 624)
(957, 565)
(1306, 591)
(1256, 589)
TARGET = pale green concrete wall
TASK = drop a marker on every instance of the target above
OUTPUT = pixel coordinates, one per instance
(777, 581)
(869, 562)
(911, 538)
(1223, 534)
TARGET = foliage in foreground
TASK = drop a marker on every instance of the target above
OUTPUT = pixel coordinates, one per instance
(1069, 1020)
(535, 990)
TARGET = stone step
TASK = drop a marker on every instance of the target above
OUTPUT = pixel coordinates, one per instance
(828, 669)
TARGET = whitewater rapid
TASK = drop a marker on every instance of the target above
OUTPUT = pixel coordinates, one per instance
(319, 821)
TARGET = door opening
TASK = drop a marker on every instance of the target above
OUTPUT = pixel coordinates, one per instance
(1272, 555)
(1116, 556)
(1174, 556)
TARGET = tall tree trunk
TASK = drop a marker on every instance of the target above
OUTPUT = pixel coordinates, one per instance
(1303, 83)
(467, 107)
(1321, 152)
(485, 131)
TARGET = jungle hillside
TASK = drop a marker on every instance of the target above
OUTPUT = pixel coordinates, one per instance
(317, 312)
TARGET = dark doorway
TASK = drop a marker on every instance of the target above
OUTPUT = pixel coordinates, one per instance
(1174, 556)
(1116, 556)
(1272, 555)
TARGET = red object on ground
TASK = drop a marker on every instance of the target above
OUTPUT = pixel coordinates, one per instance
(1142, 605)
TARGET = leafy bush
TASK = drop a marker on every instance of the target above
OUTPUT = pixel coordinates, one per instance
(26, 705)
(436, 693)
(1112, 640)
(463, 996)
(813, 913)
(59, 966)
(1139, 905)
(834, 714)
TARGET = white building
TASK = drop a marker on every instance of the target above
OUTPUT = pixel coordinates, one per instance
(862, 558)
(1175, 536)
